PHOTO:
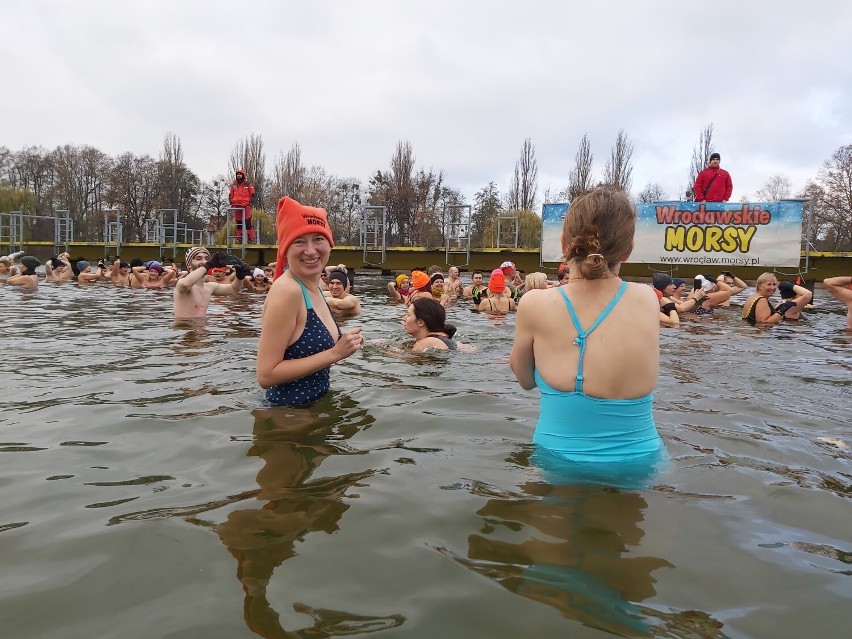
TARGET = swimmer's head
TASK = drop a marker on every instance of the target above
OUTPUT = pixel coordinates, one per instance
(786, 290)
(400, 279)
(598, 232)
(662, 281)
(419, 280)
(295, 220)
(704, 282)
(192, 253)
(337, 282)
(30, 263)
(497, 281)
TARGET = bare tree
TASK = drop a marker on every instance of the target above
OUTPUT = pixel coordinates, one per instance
(33, 170)
(400, 192)
(580, 178)
(652, 192)
(834, 201)
(6, 161)
(618, 170)
(289, 174)
(179, 188)
(81, 174)
(778, 187)
(132, 188)
(523, 191)
(248, 154)
(486, 208)
(214, 203)
(700, 157)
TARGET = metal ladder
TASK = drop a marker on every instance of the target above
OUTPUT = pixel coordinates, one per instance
(63, 231)
(457, 233)
(12, 231)
(373, 237)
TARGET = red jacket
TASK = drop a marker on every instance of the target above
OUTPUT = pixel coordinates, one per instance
(241, 194)
(720, 190)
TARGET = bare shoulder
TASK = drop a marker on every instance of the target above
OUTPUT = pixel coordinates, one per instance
(642, 293)
(284, 291)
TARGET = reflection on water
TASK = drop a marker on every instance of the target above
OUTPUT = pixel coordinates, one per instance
(139, 464)
(572, 544)
(292, 504)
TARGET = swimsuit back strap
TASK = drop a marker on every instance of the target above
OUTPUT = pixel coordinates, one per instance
(580, 340)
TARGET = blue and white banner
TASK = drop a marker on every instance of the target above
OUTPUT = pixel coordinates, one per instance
(720, 233)
(552, 217)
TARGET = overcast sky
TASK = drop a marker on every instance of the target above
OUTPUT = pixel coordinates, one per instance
(464, 82)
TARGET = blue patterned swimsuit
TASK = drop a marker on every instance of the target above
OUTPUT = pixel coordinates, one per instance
(314, 339)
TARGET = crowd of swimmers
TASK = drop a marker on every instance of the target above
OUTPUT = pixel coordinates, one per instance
(500, 293)
(588, 341)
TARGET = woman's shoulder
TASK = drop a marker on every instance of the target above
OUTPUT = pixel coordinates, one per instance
(430, 342)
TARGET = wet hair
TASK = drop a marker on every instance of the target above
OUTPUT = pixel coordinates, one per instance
(433, 269)
(598, 231)
(433, 316)
(136, 262)
(535, 280)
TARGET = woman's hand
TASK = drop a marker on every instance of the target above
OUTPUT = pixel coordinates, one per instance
(349, 342)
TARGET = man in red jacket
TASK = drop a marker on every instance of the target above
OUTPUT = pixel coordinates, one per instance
(713, 184)
(242, 195)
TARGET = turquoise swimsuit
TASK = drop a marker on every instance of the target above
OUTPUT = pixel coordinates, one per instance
(591, 429)
(315, 338)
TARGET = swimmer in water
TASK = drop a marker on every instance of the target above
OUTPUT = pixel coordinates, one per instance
(299, 339)
(841, 289)
(192, 294)
(426, 321)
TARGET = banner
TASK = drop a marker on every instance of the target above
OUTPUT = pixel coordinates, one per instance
(552, 216)
(719, 233)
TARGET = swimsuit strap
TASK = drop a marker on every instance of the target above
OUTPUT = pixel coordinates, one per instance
(580, 340)
(304, 292)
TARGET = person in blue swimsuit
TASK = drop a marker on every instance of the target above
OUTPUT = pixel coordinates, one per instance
(299, 339)
(591, 346)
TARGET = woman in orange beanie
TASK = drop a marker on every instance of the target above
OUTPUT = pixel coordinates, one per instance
(499, 300)
(421, 286)
(299, 339)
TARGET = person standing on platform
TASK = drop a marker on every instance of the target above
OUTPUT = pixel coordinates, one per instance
(241, 196)
(713, 184)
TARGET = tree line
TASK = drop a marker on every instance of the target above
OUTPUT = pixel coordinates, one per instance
(422, 208)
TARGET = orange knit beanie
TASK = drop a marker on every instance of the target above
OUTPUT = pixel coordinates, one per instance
(295, 220)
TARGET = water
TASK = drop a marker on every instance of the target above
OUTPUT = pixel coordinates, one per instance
(144, 491)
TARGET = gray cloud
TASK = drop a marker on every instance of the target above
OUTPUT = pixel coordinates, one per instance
(465, 82)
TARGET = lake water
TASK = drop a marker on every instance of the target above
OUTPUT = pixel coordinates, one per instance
(145, 492)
